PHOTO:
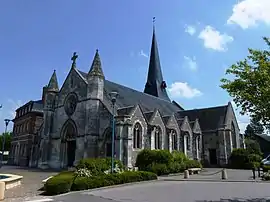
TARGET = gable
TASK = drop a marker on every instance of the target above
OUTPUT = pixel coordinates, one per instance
(231, 118)
(184, 125)
(196, 127)
(172, 124)
(73, 83)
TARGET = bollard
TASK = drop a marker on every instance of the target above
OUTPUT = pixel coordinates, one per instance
(186, 174)
(2, 191)
(224, 174)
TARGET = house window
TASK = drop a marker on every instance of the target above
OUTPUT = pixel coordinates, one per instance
(158, 139)
(137, 136)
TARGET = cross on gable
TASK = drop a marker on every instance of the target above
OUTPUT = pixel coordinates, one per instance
(74, 57)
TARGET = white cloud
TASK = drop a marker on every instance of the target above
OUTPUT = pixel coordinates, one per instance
(243, 120)
(213, 39)
(179, 89)
(142, 53)
(13, 106)
(191, 63)
(249, 13)
(191, 30)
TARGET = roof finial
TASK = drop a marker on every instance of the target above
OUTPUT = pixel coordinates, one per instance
(74, 57)
(154, 22)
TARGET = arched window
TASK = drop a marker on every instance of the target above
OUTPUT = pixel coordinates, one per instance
(137, 136)
(174, 141)
(197, 142)
(158, 139)
(186, 142)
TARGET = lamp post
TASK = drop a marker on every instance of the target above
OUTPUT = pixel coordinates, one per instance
(4, 139)
(113, 100)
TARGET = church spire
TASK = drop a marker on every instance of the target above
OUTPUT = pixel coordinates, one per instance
(53, 83)
(96, 69)
(155, 84)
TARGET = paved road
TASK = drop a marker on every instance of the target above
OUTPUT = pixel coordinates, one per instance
(173, 191)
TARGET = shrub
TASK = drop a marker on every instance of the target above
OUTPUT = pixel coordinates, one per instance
(147, 157)
(83, 183)
(176, 167)
(193, 164)
(159, 169)
(266, 168)
(179, 157)
(266, 176)
(59, 184)
(98, 166)
(243, 159)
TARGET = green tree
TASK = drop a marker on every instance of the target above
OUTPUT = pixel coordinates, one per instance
(250, 85)
(252, 146)
(254, 128)
(7, 141)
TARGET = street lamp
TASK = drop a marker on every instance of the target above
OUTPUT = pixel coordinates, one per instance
(113, 100)
(4, 139)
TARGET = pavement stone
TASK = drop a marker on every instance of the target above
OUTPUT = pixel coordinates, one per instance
(31, 182)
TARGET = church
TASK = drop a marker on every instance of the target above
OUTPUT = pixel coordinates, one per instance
(75, 121)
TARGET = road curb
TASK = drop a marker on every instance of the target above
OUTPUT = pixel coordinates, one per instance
(108, 187)
(213, 180)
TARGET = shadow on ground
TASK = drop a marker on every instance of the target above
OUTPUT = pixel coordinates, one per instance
(238, 200)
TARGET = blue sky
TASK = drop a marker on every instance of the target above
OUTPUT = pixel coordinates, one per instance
(197, 41)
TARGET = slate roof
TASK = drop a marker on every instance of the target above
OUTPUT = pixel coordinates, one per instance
(130, 97)
(37, 106)
(209, 118)
(125, 110)
(265, 137)
(155, 84)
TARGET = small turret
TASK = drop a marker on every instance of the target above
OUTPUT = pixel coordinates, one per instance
(95, 78)
(53, 83)
(96, 68)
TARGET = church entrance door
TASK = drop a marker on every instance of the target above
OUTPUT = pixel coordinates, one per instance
(68, 144)
(109, 149)
(213, 156)
(71, 150)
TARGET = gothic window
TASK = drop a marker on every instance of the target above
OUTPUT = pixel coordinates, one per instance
(197, 142)
(158, 139)
(70, 104)
(137, 136)
(174, 141)
(186, 143)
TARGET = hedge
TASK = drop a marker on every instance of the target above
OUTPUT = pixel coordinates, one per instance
(63, 183)
(243, 159)
(98, 166)
(162, 162)
(60, 183)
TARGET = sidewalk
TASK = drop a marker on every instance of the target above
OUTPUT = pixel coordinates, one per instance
(214, 175)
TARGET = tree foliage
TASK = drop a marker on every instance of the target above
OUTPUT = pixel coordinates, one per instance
(254, 128)
(250, 86)
(7, 137)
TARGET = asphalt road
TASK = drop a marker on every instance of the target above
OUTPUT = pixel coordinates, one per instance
(172, 191)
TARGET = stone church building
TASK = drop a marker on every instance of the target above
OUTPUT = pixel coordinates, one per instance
(74, 121)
